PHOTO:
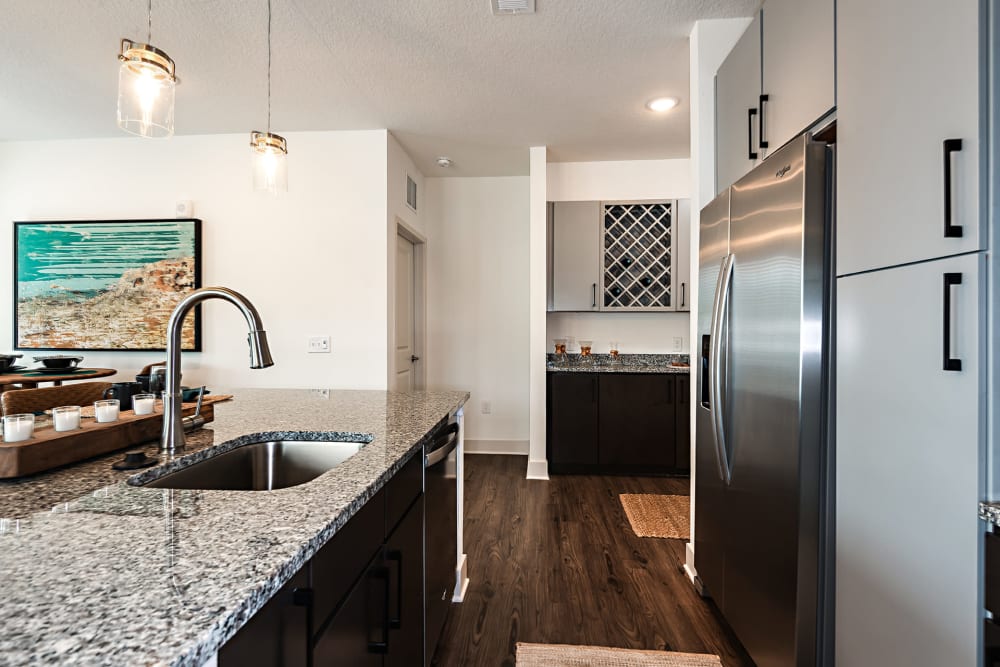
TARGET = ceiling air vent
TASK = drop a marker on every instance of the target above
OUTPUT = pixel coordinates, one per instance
(513, 6)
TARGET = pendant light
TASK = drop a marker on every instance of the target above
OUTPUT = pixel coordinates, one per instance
(270, 169)
(146, 82)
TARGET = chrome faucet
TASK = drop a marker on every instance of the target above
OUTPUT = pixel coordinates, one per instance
(172, 437)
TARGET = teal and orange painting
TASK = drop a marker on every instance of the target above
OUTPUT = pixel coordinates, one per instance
(103, 285)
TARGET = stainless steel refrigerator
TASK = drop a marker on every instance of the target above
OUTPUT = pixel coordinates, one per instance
(761, 483)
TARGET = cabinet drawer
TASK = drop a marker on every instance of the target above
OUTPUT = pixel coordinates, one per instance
(991, 566)
(341, 561)
(403, 489)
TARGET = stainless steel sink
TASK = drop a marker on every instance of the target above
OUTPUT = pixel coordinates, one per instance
(261, 466)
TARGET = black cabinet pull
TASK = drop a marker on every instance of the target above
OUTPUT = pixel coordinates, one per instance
(761, 141)
(751, 153)
(381, 646)
(593, 288)
(396, 556)
(682, 294)
(950, 279)
(593, 389)
(302, 597)
(670, 390)
(950, 231)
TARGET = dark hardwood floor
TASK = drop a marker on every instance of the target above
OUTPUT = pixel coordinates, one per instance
(556, 562)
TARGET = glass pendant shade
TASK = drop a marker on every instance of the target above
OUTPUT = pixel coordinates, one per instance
(270, 166)
(146, 83)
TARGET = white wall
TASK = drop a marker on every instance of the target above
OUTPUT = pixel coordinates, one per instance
(646, 333)
(313, 260)
(399, 164)
(477, 301)
(620, 180)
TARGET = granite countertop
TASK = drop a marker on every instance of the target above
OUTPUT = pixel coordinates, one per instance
(97, 571)
(990, 512)
(626, 363)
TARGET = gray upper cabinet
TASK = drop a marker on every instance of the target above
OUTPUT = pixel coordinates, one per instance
(777, 81)
(908, 154)
(576, 255)
(737, 94)
(798, 67)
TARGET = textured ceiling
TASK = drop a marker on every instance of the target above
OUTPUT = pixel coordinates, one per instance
(446, 76)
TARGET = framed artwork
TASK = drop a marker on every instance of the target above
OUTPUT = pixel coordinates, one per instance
(104, 285)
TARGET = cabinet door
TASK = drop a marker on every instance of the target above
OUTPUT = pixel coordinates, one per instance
(637, 420)
(681, 258)
(404, 555)
(278, 634)
(576, 236)
(908, 459)
(572, 419)
(798, 67)
(737, 95)
(907, 81)
(358, 633)
(682, 439)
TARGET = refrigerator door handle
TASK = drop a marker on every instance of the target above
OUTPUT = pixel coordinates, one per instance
(719, 308)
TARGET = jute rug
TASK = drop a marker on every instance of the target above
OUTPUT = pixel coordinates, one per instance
(562, 655)
(655, 515)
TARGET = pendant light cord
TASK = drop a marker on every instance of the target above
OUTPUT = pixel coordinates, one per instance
(149, 22)
(268, 66)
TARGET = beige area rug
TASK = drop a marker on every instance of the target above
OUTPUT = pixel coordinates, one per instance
(656, 515)
(563, 655)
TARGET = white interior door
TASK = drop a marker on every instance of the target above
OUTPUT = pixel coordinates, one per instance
(908, 466)
(406, 357)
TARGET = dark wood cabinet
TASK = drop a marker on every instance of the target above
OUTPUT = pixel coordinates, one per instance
(357, 634)
(637, 421)
(573, 419)
(619, 423)
(278, 634)
(404, 558)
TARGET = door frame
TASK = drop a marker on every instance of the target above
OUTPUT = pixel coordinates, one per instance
(419, 242)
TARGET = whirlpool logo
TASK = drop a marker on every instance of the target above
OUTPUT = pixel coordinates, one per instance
(784, 170)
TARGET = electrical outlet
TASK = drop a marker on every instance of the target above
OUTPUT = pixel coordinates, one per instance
(318, 344)
(320, 393)
(678, 343)
(487, 408)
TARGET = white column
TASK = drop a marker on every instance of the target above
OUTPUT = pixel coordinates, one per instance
(538, 466)
(461, 565)
(710, 43)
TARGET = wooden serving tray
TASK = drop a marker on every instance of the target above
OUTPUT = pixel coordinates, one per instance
(49, 448)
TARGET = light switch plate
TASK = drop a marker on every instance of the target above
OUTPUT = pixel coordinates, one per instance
(318, 344)
(678, 343)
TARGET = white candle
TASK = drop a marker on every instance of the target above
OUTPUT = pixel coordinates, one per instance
(143, 404)
(106, 411)
(18, 427)
(66, 418)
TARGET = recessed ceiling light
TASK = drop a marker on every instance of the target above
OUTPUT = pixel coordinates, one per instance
(662, 104)
(444, 162)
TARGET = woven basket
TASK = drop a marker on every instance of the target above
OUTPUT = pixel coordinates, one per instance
(38, 400)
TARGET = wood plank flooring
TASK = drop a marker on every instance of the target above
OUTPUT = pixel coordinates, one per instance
(556, 562)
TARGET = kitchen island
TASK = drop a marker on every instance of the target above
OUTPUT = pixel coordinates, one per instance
(98, 571)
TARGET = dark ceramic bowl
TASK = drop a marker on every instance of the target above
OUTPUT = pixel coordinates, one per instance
(59, 361)
(8, 360)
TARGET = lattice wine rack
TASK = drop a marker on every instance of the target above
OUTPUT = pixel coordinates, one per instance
(637, 255)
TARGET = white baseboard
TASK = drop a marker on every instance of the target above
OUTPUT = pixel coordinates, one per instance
(461, 580)
(689, 570)
(512, 447)
(538, 469)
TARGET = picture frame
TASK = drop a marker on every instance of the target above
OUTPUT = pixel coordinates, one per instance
(104, 285)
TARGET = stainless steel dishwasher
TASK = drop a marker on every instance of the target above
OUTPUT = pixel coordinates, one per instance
(440, 530)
